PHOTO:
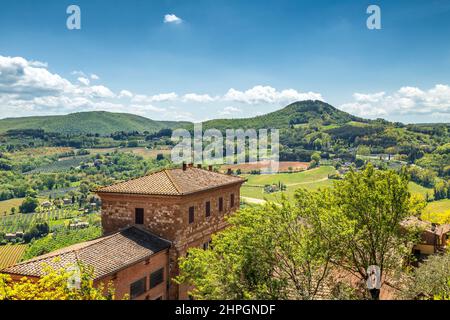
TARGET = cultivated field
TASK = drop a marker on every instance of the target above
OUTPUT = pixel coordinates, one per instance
(11, 254)
(283, 166)
(437, 211)
(311, 179)
(416, 189)
(56, 218)
(6, 205)
(144, 152)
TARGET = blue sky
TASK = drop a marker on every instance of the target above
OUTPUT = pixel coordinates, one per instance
(225, 58)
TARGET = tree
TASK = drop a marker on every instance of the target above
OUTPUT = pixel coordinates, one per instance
(29, 205)
(316, 157)
(54, 285)
(364, 213)
(363, 150)
(159, 157)
(266, 253)
(431, 280)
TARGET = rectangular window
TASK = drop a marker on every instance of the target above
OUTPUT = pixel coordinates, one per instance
(156, 278)
(137, 288)
(139, 216)
(191, 214)
(208, 208)
(232, 200)
(220, 204)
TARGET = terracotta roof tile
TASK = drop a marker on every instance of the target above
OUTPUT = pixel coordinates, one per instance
(106, 255)
(173, 182)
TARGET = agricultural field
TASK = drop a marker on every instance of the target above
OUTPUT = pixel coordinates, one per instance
(38, 152)
(283, 166)
(56, 218)
(61, 165)
(416, 189)
(437, 211)
(6, 205)
(311, 180)
(141, 151)
(11, 254)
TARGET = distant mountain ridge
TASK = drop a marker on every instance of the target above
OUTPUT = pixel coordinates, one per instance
(101, 122)
(294, 114)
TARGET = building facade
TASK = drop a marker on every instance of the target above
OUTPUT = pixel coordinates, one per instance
(185, 206)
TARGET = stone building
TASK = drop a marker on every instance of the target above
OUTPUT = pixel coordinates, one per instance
(148, 223)
(185, 206)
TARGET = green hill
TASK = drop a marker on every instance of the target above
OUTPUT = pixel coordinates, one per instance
(100, 122)
(295, 114)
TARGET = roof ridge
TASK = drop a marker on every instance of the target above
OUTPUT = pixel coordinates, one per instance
(65, 250)
(172, 181)
(132, 179)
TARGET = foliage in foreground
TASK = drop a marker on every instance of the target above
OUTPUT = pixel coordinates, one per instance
(54, 286)
(300, 251)
(431, 280)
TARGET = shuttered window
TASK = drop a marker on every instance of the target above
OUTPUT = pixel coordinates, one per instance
(156, 278)
(137, 288)
(139, 216)
(208, 208)
(191, 215)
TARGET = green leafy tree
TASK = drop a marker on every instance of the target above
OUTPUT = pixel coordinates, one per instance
(54, 285)
(431, 280)
(267, 253)
(29, 205)
(364, 216)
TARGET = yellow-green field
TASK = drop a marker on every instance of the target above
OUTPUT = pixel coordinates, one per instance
(6, 205)
(11, 254)
(416, 189)
(437, 211)
(311, 180)
(34, 152)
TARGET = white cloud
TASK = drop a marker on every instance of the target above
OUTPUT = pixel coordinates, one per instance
(125, 94)
(194, 97)
(84, 81)
(143, 109)
(266, 94)
(100, 92)
(162, 97)
(78, 73)
(405, 101)
(172, 96)
(94, 76)
(171, 18)
(229, 111)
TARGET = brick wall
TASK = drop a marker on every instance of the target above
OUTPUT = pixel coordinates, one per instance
(123, 279)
